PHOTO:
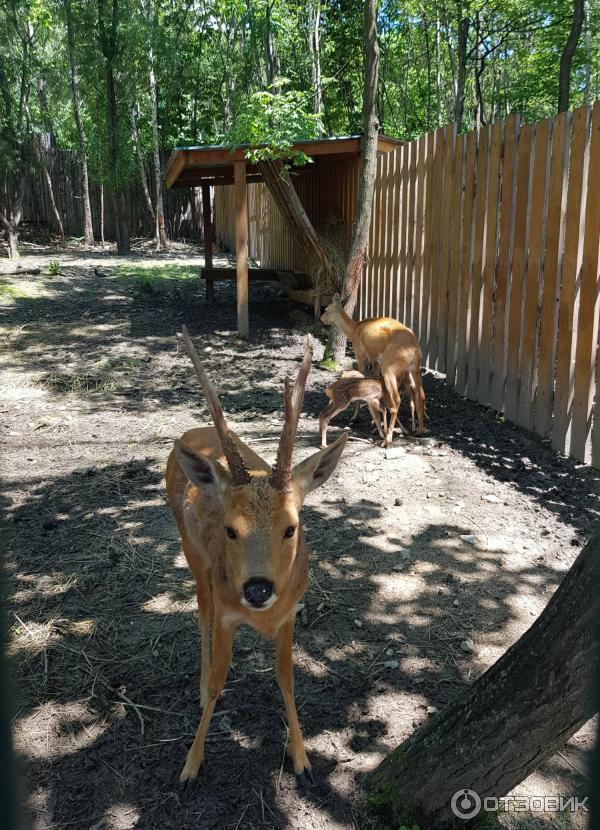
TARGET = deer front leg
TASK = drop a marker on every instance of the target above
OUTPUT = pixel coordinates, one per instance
(325, 417)
(285, 679)
(204, 602)
(221, 660)
(361, 362)
(378, 415)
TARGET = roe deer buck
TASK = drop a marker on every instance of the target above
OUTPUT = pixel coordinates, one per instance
(354, 386)
(242, 538)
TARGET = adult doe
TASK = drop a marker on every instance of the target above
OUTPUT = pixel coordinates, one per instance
(239, 524)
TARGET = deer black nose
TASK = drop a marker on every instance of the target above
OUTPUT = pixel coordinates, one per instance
(257, 591)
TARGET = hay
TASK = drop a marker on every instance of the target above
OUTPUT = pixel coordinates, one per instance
(333, 234)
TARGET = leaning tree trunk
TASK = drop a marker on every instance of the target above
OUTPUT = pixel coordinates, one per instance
(520, 712)
(281, 188)
(366, 185)
(566, 59)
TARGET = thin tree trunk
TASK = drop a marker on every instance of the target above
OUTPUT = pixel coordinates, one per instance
(88, 229)
(109, 47)
(588, 56)
(141, 165)
(566, 59)
(271, 56)
(520, 712)
(438, 75)
(102, 215)
(314, 46)
(461, 74)
(366, 185)
(57, 217)
(161, 236)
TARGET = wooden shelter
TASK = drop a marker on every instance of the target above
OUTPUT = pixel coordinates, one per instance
(217, 166)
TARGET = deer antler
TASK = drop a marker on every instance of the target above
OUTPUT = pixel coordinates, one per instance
(292, 407)
(237, 467)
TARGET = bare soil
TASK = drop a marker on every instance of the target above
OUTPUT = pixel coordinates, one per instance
(401, 612)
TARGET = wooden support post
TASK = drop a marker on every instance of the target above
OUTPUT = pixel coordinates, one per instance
(208, 248)
(241, 245)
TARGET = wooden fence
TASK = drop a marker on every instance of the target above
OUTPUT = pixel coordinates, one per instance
(183, 208)
(487, 245)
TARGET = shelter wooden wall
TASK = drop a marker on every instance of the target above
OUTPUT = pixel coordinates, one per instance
(487, 245)
(327, 190)
(183, 208)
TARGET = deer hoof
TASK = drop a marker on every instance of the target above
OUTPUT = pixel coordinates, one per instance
(189, 773)
(306, 777)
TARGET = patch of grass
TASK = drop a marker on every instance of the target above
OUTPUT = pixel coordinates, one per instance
(156, 278)
(11, 291)
(53, 268)
(108, 376)
(329, 364)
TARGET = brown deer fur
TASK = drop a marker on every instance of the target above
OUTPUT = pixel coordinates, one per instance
(240, 529)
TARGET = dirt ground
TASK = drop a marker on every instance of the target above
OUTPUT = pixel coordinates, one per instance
(401, 612)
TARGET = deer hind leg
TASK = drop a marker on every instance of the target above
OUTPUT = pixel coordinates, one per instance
(222, 642)
(412, 396)
(285, 679)
(330, 411)
(391, 386)
(378, 414)
(420, 401)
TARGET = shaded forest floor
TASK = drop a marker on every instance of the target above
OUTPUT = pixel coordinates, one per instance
(401, 612)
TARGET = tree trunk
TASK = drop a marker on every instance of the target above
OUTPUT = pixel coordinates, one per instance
(566, 59)
(102, 215)
(520, 712)
(88, 229)
(461, 73)
(109, 47)
(366, 185)
(314, 46)
(161, 236)
(141, 165)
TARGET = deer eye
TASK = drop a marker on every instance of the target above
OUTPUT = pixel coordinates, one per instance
(231, 532)
(289, 532)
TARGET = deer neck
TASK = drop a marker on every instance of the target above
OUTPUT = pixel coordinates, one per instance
(346, 324)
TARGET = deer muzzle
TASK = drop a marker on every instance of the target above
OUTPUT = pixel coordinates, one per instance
(258, 592)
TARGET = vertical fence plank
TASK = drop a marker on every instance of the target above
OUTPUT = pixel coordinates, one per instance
(507, 216)
(391, 235)
(516, 271)
(434, 241)
(418, 271)
(456, 226)
(587, 324)
(479, 229)
(533, 274)
(383, 234)
(464, 284)
(396, 185)
(571, 264)
(402, 193)
(427, 235)
(556, 214)
(410, 225)
(442, 276)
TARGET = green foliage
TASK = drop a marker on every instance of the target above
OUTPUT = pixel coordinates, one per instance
(53, 268)
(274, 122)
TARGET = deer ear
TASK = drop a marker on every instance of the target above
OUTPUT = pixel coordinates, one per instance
(200, 470)
(315, 470)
